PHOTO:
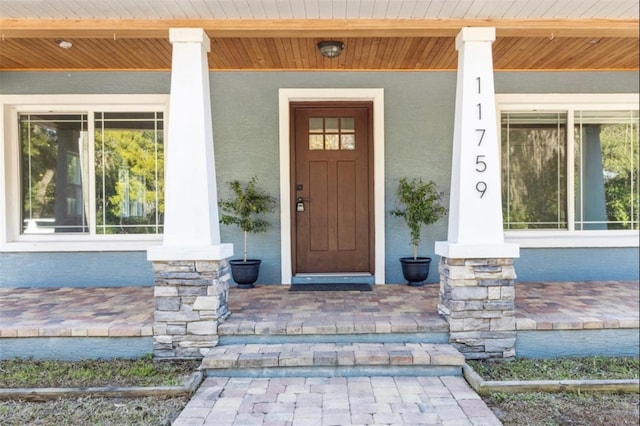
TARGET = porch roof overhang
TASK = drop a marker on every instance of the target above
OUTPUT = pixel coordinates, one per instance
(129, 37)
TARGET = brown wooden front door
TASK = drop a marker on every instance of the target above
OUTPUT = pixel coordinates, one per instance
(332, 187)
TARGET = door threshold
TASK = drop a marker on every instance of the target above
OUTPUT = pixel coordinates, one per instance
(335, 274)
(347, 278)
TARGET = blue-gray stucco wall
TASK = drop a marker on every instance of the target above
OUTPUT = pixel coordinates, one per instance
(419, 108)
(84, 269)
(577, 264)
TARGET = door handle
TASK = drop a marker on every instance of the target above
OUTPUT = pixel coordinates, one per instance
(300, 204)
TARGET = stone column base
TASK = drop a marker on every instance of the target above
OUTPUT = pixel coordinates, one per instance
(191, 299)
(477, 298)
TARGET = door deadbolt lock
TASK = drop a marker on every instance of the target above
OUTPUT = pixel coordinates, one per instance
(300, 205)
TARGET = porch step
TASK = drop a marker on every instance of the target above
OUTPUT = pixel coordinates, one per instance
(402, 329)
(333, 359)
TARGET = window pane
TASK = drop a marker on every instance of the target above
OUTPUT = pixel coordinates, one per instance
(129, 157)
(348, 125)
(331, 125)
(347, 130)
(347, 142)
(315, 125)
(55, 174)
(534, 170)
(606, 169)
(316, 142)
(331, 142)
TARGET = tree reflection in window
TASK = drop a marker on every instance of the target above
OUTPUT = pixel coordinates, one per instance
(55, 174)
(56, 171)
(605, 190)
(534, 171)
(606, 169)
(129, 172)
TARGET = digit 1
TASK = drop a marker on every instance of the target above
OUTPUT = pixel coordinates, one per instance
(479, 111)
(478, 80)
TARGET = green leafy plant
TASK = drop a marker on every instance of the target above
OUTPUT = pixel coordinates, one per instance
(419, 203)
(245, 207)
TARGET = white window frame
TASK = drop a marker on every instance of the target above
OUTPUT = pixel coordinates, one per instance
(11, 239)
(527, 102)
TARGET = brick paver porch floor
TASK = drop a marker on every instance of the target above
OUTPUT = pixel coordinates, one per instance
(128, 311)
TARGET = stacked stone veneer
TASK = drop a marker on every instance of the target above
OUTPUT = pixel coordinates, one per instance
(477, 298)
(191, 299)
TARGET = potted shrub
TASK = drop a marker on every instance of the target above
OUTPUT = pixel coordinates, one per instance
(419, 203)
(244, 209)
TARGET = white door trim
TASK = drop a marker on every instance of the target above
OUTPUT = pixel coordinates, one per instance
(286, 96)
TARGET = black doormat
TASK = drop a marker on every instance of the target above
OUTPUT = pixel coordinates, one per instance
(331, 287)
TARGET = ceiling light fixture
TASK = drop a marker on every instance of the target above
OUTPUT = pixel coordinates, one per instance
(64, 44)
(331, 48)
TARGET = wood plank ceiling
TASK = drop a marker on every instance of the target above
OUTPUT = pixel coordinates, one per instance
(282, 35)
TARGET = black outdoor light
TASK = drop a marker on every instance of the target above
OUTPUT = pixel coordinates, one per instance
(331, 48)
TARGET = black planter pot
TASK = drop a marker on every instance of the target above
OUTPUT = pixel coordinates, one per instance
(245, 273)
(415, 271)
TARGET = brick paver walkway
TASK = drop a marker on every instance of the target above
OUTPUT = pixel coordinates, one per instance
(336, 401)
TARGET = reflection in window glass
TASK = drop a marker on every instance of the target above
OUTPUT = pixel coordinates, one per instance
(331, 125)
(606, 170)
(315, 125)
(316, 142)
(129, 162)
(347, 125)
(347, 142)
(332, 133)
(55, 174)
(534, 170)
(331, 142)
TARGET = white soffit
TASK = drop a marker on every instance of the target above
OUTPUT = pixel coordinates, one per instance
(319, 9)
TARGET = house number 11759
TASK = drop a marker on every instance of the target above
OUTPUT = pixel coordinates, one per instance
(481, 165)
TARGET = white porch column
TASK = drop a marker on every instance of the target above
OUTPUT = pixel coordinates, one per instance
(190, 267)
(191, 225)
(476, 266)
(475, 210)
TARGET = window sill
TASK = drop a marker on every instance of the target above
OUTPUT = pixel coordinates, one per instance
(82, 244)
(571, 239)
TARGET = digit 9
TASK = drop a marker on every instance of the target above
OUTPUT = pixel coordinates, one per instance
(481, 187)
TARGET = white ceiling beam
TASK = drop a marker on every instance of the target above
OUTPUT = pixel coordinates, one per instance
(297, 28)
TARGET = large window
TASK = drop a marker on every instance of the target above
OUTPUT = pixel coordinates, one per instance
(534, 171)
(54, 159)
(572, 169)
(127, 167)
(606, 169)
(129, 173)
(81, 172)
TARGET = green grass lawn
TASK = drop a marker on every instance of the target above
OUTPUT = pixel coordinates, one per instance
(94, 373)
(569, 408)
(558, 369)
(21, 373)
